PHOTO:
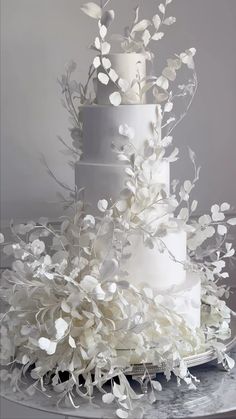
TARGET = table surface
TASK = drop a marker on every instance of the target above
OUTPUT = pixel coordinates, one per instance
(215, 394)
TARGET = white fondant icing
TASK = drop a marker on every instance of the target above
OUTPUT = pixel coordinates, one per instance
(150, 267)
(101, 129)
(185, 300)
(129, 67)
(107, 181)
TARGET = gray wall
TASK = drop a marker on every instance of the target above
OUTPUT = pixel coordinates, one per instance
(39, 36)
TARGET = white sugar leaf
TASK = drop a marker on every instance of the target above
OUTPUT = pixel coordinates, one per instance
(61, 327)
(174, 63)
(123, 84)
(92, 10)
(162, 82)
(230, 361)
(232, 221)
(103, 78)
(169, 21)
(103, 31)
(65, 307)
(192, 155)
(97, 43)
(210, 231)
(167, 141)
(117, 391)
(105, 48)
(225, 207)
(192, 51)
(107, 18)
(113, 75)
(129, 172)
(218, 216)
(122, 414)
(89, 221)
(228, 246)
(204, 220)
(127, 131)
(1, 238)
(102, 205)
(187, 186)
(194, 205)
(157, 36)
(112, 288)
(168, 2)
(47, 345)
(231, 253)
(136, 10)
(121, 206)
(162, 8)
(184, 214)
(88, 283)
(187, 58)
(25, 359)
(222, 230)
(100, 294)
(72, 342)
(146, 37)
(141, 26)
(96, 62)
(115, 99)
(122, 157)
(156, 21)
(168, 107)
(106, 63)
(131, 187)
(108, 398)
(156, 385)
(215, 208)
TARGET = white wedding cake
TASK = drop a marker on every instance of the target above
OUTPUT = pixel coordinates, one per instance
(101, 175)
(127, 275)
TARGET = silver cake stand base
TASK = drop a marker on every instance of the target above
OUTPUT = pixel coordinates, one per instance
(191, 361)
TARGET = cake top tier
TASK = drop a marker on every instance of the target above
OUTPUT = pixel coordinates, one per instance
(125, 72)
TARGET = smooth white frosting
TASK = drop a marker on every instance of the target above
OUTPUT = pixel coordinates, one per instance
(101, 128)
(128, 67)
(185, 299)
(105, 181)
(150, 267)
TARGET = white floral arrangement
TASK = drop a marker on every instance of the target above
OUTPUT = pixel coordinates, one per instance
(67, 302)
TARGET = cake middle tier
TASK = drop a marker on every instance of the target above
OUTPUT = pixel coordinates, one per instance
(106, 181)
(101, 129)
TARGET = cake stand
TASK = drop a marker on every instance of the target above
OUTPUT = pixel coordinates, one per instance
(215, 394)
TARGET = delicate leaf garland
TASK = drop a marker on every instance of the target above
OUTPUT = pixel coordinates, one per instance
(64, 282)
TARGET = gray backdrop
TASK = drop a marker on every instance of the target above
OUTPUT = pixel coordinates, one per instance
(39, 36)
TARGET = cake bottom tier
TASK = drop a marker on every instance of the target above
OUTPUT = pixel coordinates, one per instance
(154, 268)
(183, 300)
